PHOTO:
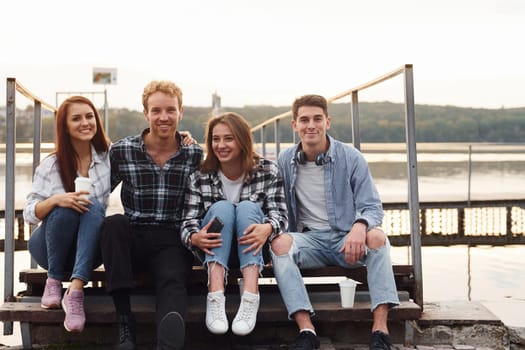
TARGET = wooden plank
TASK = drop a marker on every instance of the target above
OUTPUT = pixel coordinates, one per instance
(99, 309)
(38, 276)
(403, 274)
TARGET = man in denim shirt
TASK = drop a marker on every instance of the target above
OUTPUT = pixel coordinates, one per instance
(334, 213)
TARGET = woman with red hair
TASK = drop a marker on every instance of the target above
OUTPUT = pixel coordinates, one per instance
(67, 240)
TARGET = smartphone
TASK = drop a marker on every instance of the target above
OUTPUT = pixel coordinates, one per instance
(216, 225)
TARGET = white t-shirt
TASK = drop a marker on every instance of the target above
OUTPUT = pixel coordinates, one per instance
(311, 201)
(232, 188)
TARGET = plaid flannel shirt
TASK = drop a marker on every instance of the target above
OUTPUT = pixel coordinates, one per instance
(264, 186)
(152, 195)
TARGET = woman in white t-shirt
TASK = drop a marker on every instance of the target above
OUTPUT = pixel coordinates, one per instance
(245, 191)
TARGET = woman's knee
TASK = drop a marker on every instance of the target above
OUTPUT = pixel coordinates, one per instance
(96, 208)
(248, 205)
(281, 244)
(63, 215)
(222, 205)
(375, 238)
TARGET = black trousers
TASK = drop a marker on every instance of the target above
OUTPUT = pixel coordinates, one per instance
(129, 249)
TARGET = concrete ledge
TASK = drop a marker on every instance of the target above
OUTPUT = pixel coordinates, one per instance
(460, 322)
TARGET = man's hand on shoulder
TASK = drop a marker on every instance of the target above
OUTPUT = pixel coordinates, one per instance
(355, 243)
(187, 139)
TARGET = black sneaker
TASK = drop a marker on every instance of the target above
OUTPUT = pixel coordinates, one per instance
(171, 332)
(305, 341)
(380, 341)
(126, 329)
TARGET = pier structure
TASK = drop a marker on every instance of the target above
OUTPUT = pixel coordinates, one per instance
(408, 321)
(478, 222)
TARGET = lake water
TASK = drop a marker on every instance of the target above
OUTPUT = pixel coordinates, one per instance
(493, 275)
(497, 171)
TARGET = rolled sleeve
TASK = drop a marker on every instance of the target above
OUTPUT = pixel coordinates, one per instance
(46, 182)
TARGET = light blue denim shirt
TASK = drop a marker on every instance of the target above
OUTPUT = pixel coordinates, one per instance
(349, 189)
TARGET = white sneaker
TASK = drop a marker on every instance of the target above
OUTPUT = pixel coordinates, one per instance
(216, 319)
(244, 321)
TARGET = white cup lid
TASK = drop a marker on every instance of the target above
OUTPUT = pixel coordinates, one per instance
(348, 283)
(83, 179)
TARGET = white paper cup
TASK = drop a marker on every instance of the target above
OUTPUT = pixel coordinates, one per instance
(347, 288)
(83, 184)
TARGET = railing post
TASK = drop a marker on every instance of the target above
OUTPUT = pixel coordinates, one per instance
(469, 173)
(37, 141)
(277, 139)
(263, 141)
(10, 151)
(413, 191)
(509, 223)
(424, 229)
(461, 221)
(356, 139)
(37, 134)
(106, 112)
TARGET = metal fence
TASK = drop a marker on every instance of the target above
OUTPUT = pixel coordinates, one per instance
(14, 87)
(491, 222)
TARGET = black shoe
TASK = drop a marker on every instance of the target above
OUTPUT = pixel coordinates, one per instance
(305, 341)
(171, 332)
(126, 329)
(380, 341)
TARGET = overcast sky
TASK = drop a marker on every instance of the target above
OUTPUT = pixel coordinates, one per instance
(467, 53)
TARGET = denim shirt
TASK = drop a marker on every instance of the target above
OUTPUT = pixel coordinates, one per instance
(349, 189)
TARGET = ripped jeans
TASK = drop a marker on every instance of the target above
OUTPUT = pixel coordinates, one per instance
(315, 249)
(236, 218)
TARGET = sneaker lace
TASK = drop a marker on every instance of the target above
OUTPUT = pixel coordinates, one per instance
(75, 304)
(380, 341)
(125, 332)
(302, 342)
(215, 307)
(248, 308)
(54, 289)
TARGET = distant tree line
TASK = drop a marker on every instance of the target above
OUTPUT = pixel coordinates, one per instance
(379, 122)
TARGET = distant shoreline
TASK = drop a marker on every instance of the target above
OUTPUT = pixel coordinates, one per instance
(366, 147)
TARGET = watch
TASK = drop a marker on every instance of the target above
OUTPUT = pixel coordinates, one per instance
(362, 221)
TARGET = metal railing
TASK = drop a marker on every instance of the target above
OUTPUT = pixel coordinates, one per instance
(13, 87)
(410, 139)
(494, 222)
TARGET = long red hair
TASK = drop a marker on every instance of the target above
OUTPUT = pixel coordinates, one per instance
(67, 157)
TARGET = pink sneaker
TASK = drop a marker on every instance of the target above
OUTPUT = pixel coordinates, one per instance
(73, 305)
(52, 294)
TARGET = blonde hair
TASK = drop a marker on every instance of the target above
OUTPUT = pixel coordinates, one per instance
(167, 87)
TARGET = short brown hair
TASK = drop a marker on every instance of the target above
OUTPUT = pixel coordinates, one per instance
(167, 87)
(309, 100)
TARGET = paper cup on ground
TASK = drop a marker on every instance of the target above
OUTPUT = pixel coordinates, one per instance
(347, 288)
(83, 184)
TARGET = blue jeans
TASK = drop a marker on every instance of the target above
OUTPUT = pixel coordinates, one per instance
(316, 249)
(68, 241)
(236, 218)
